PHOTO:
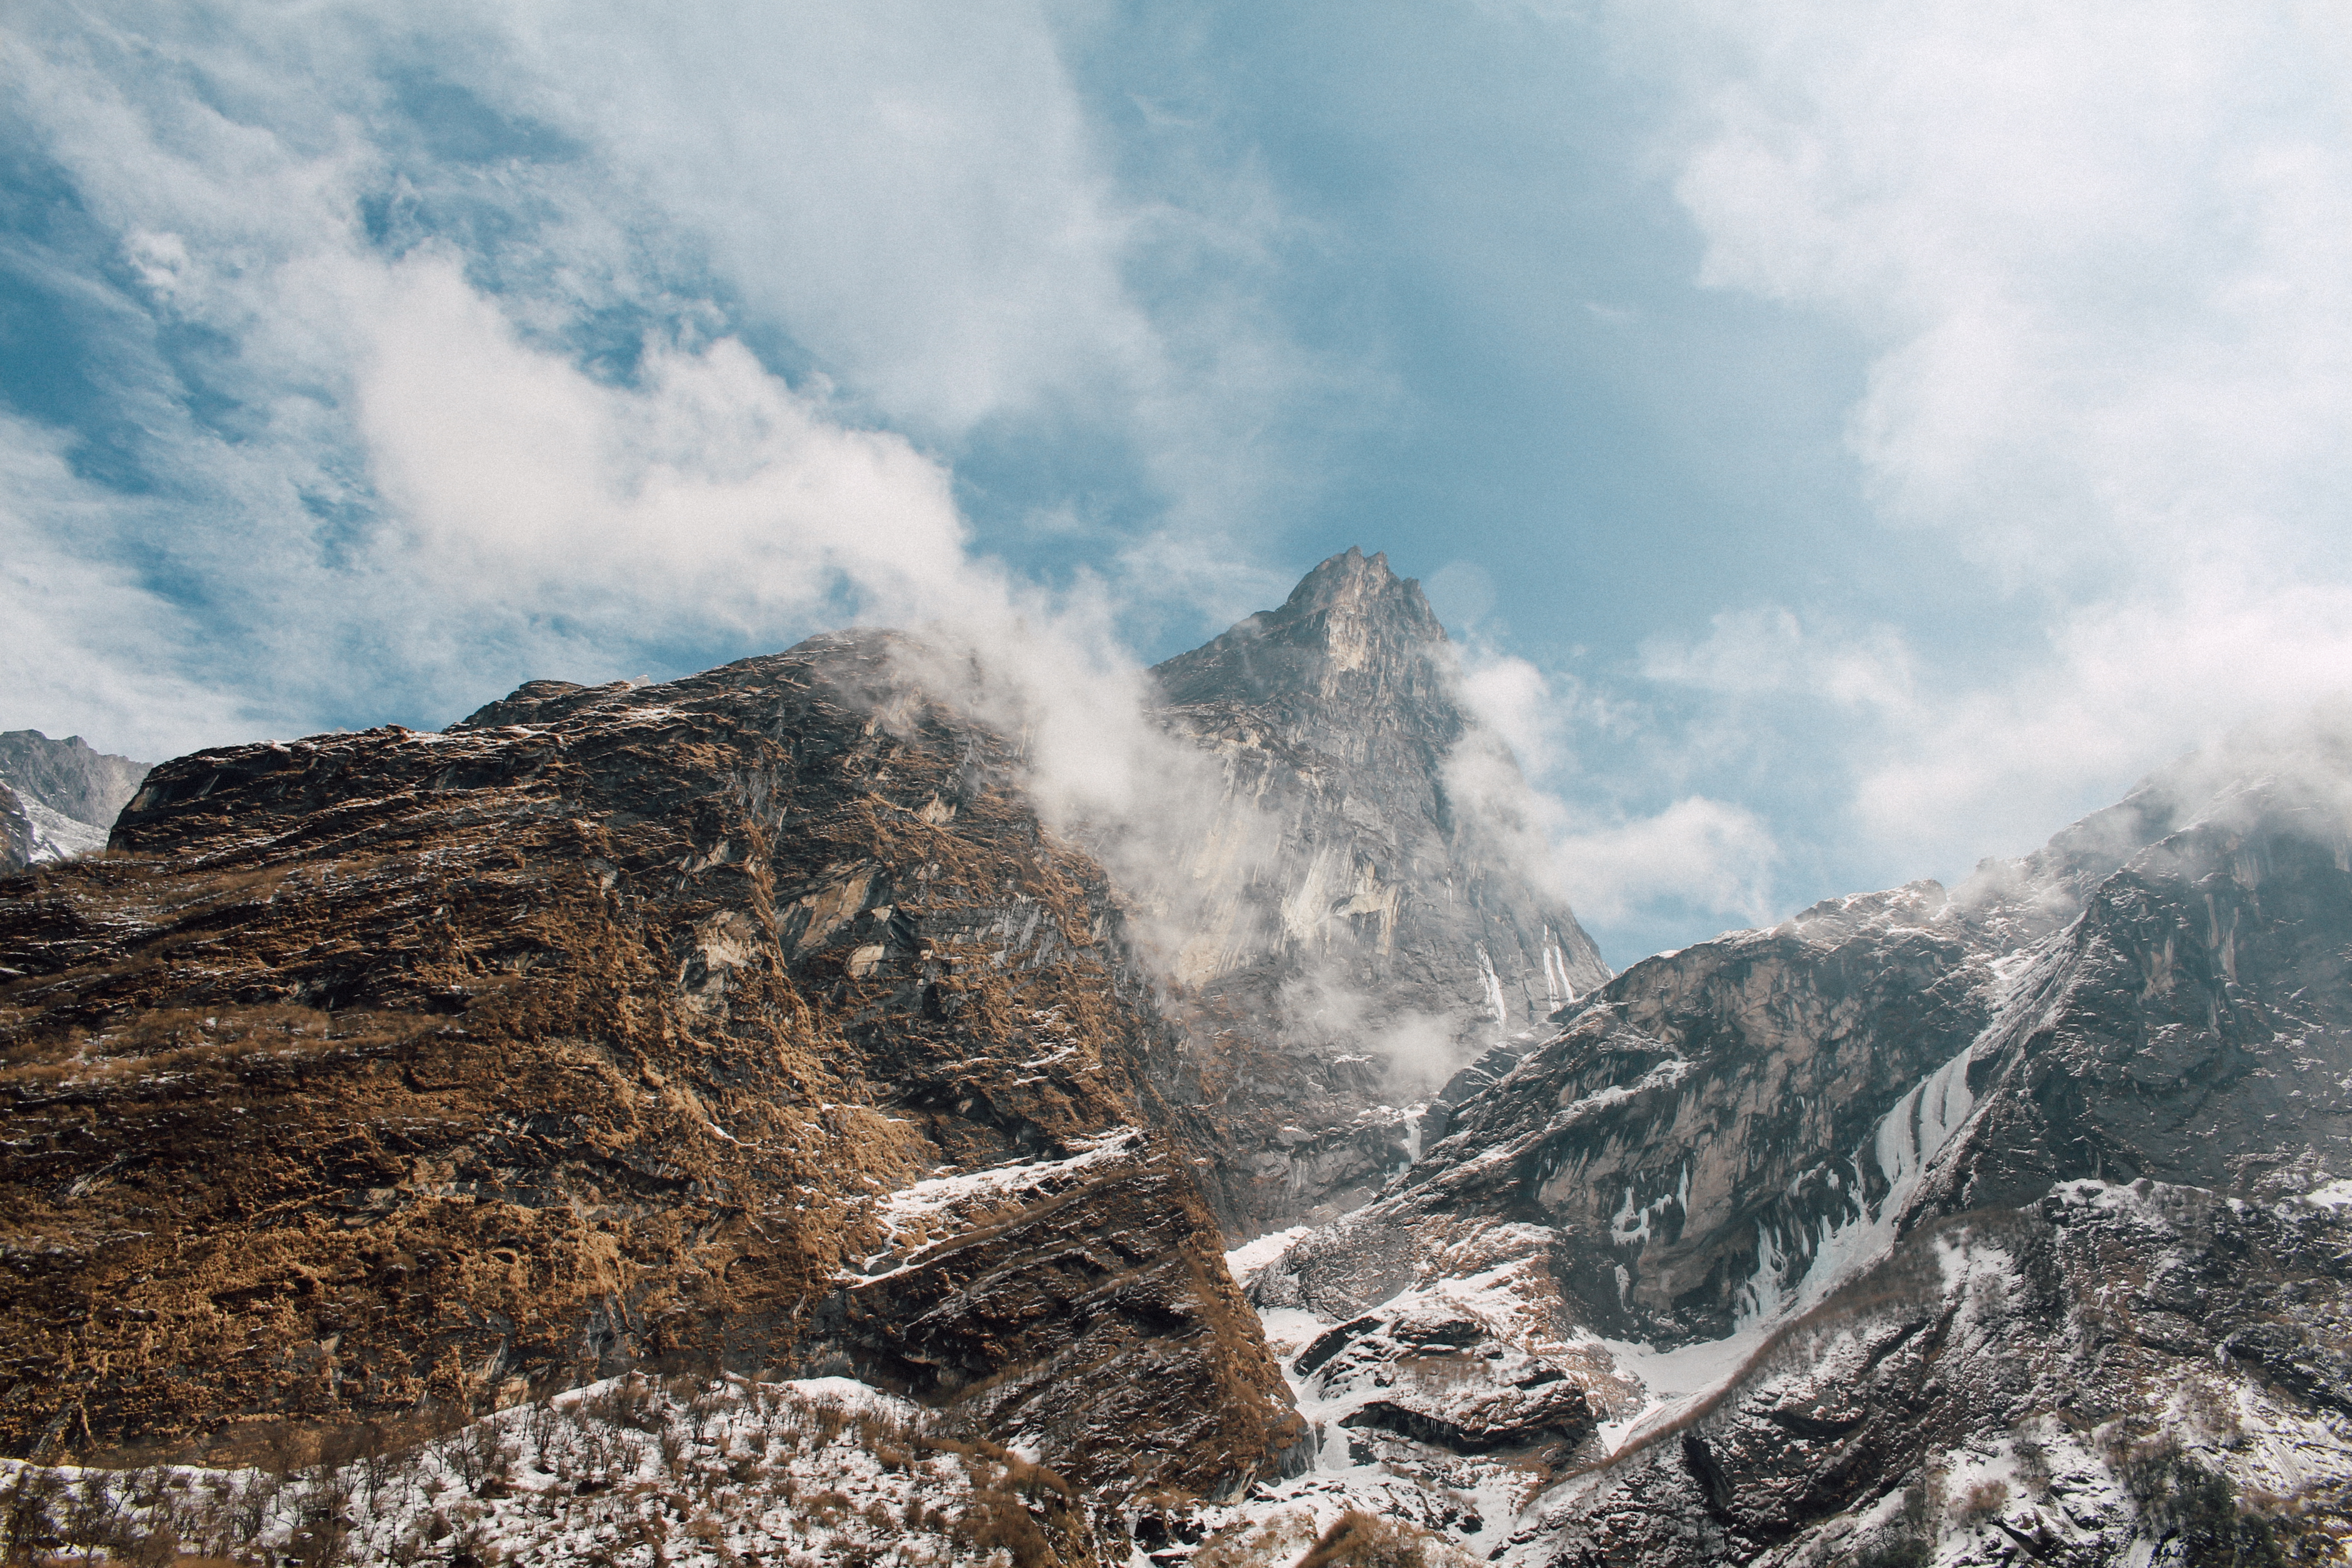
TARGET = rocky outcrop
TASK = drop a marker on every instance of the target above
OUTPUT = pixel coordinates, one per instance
(605, 1030)
(1851, 1218)
(1356, 922)
(18, 838)
(2017, 1386)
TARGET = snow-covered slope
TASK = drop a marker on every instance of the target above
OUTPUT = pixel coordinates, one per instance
(1829, 1224)
(690, 1472)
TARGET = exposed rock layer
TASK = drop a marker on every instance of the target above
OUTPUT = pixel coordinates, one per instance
(389, 1067)
(1358, 922)
(1927, 1187)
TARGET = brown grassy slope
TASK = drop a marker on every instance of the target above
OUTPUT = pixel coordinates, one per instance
(385, 1068)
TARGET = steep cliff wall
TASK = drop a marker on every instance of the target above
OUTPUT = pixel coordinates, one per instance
(1962, 1224)
(1355, 933)
(613, 1028)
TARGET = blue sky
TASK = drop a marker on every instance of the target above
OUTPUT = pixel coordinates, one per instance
(1847, 439)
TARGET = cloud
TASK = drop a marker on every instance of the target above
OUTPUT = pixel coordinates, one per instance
(2098, 259)
(410, 479)
(88, 650)
(1770, 650)
(1707, 857)
(705, 493)
(925, 201)
(431, 343)
(1518, 772)
(2134, 681)
(916, 192)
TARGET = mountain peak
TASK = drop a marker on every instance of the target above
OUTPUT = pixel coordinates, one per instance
(1350, 579)
(1352, 633)
(1354, 586)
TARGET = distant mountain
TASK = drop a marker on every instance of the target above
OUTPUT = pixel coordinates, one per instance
(59, 798)
(2033, 1192)
(1359, 933)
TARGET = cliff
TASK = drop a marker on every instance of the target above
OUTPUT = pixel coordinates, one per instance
(751, 1022)
(1358, 933)
(1952, 1224)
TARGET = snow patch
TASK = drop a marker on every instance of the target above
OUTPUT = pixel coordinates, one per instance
(1904, 1144)
(914, 1216)
(1250, 1256)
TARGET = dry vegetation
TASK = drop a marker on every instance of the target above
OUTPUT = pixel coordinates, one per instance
(680, 1471)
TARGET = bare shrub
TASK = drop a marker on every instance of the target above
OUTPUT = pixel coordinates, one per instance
(478, 1454)
(286, 1449)
(93, 1517)
(2177, 1496)
(540, 1424)
(2215, 1413)
(703, 1412)
(379, 1463)
(157, 1548)
(249, 1510)
(627, 1402)
(28, 1510)
(2032, 1459)
(1981, 1504)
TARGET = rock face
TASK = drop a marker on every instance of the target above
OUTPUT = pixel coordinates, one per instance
(1357, 927)
(57, 798)
(756, 1027)
(2029, 1189)
(613, 1028)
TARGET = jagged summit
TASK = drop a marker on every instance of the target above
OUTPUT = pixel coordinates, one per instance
(1359, 932)
(1353, 652)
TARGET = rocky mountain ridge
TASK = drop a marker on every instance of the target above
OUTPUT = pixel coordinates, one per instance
(617, 1028)
(1927, 1225)
(57, 798)
(753, 1022)
(1356, 932)
(713, 1048)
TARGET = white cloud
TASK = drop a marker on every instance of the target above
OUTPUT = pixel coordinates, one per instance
(409, 488)
(87, 649)
(2099, 255)
(1692, 857)
(2133, 682)
(1707, 857)
(708, 493)
(914, 191)
(1770, 650)
(422, 486)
